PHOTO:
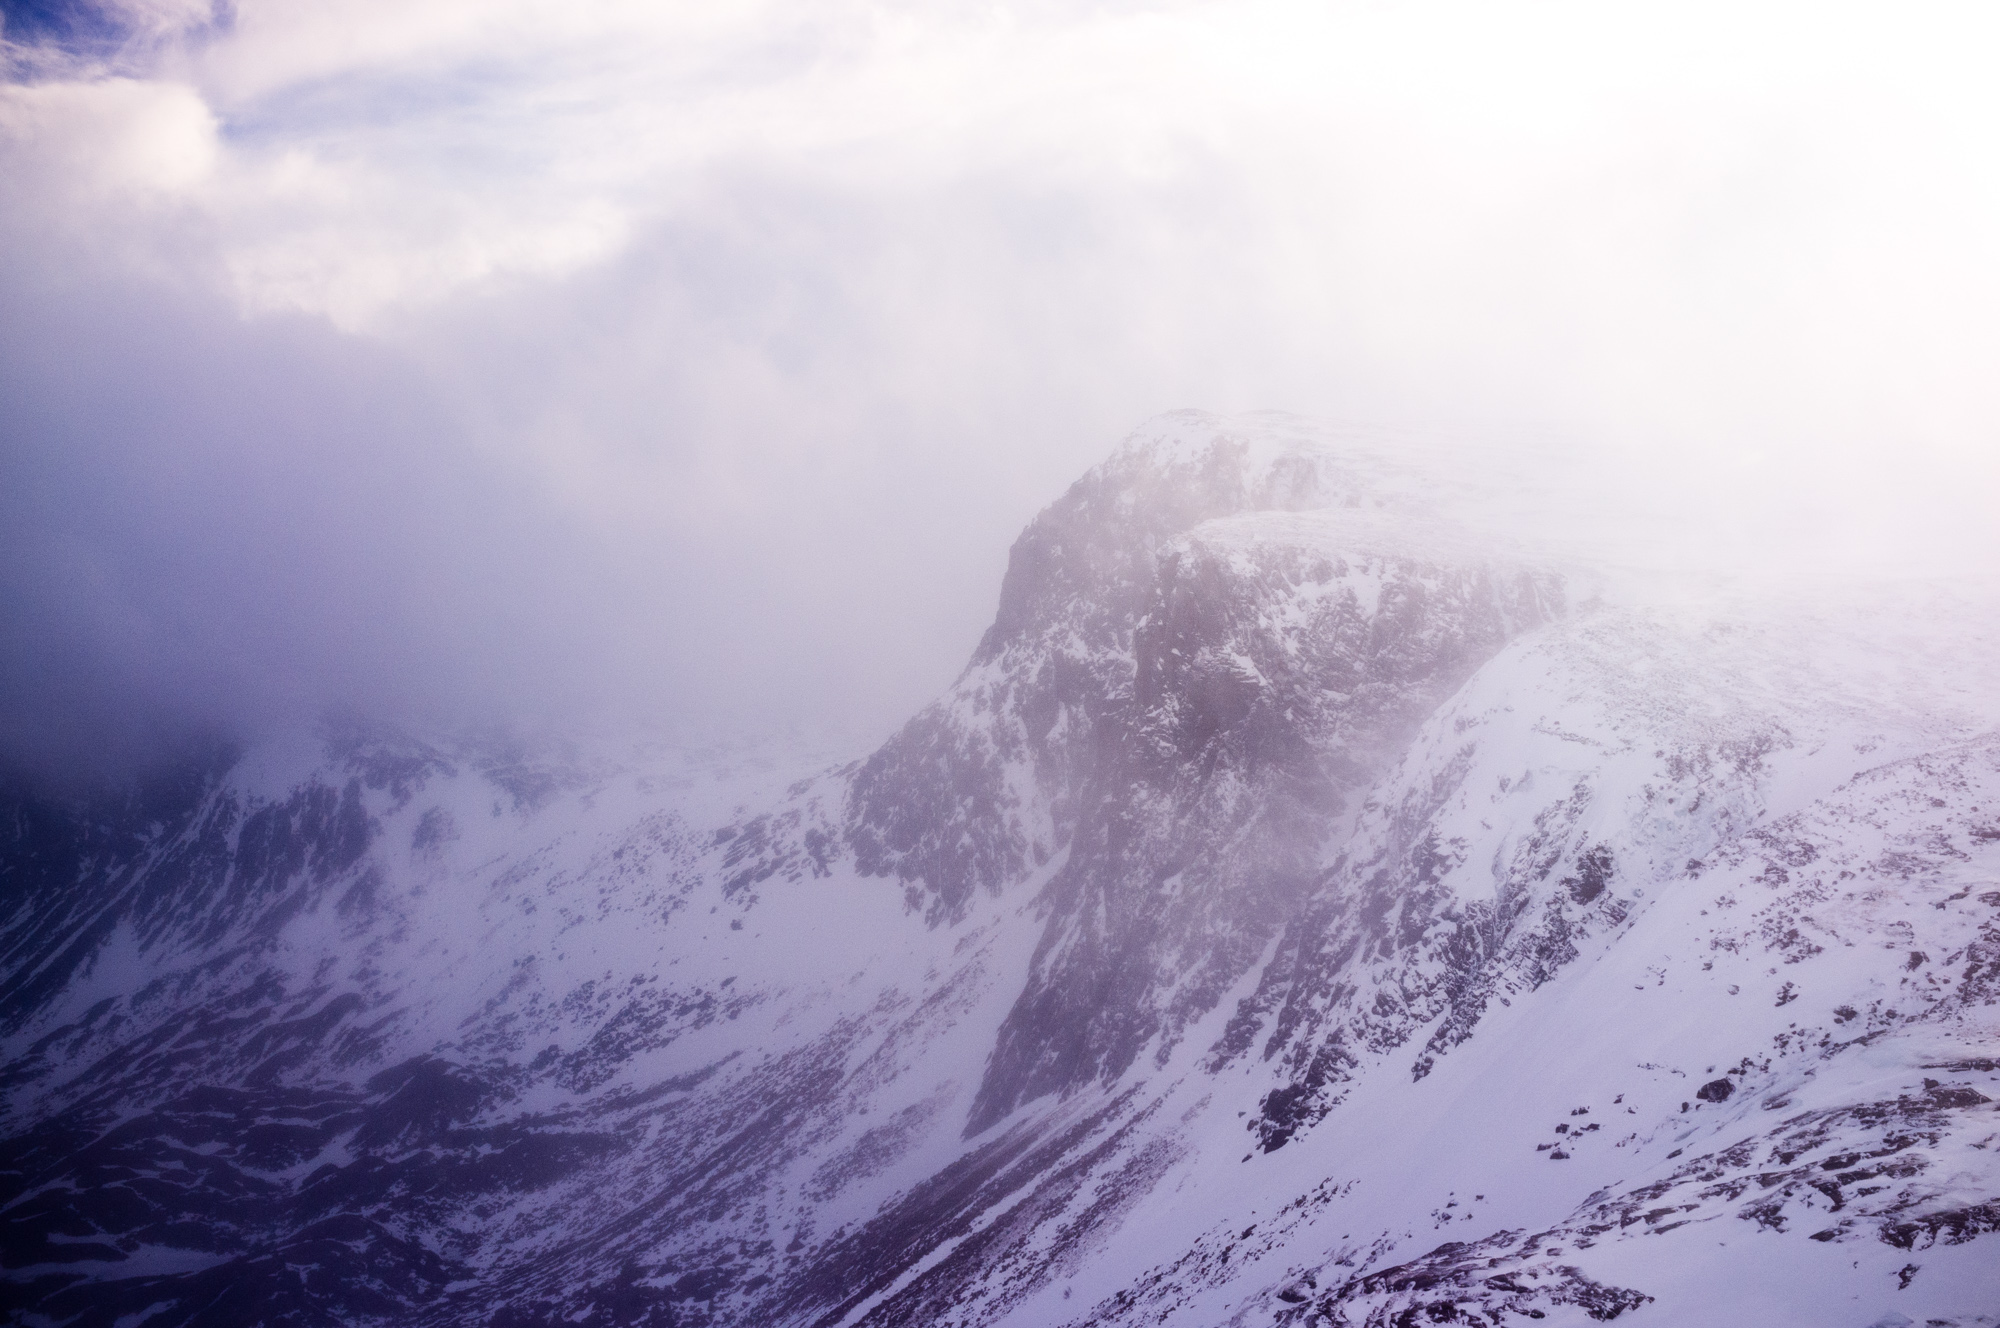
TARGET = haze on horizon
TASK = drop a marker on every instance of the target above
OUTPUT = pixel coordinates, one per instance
(699, 364)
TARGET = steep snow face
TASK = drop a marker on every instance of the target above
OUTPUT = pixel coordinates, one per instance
(1765, 1089)
(1508, 837)
(1297, 913)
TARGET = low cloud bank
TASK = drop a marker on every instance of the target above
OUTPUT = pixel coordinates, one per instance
(459, 362)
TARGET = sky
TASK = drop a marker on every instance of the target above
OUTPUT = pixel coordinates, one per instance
(697, 364)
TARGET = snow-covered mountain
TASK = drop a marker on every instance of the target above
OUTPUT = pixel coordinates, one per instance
(1308, 907)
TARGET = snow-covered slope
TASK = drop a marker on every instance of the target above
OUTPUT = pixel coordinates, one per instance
(1302, 910)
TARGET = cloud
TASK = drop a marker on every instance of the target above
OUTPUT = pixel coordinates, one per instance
(210, 523)
(702, 360)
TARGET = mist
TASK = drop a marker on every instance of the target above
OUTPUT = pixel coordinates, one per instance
(469, 363)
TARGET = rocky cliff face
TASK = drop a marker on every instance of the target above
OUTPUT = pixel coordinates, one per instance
(1276, 665)
(1298, 912)
(1201, 651)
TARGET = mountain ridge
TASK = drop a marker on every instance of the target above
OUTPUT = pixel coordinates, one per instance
(1291, 862)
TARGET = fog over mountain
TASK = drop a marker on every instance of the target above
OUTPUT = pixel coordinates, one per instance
(1297, 870)
(1041, 665)
(449, 359)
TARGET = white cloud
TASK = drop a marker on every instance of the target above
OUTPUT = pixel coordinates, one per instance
(98, 143)
(801, 309)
